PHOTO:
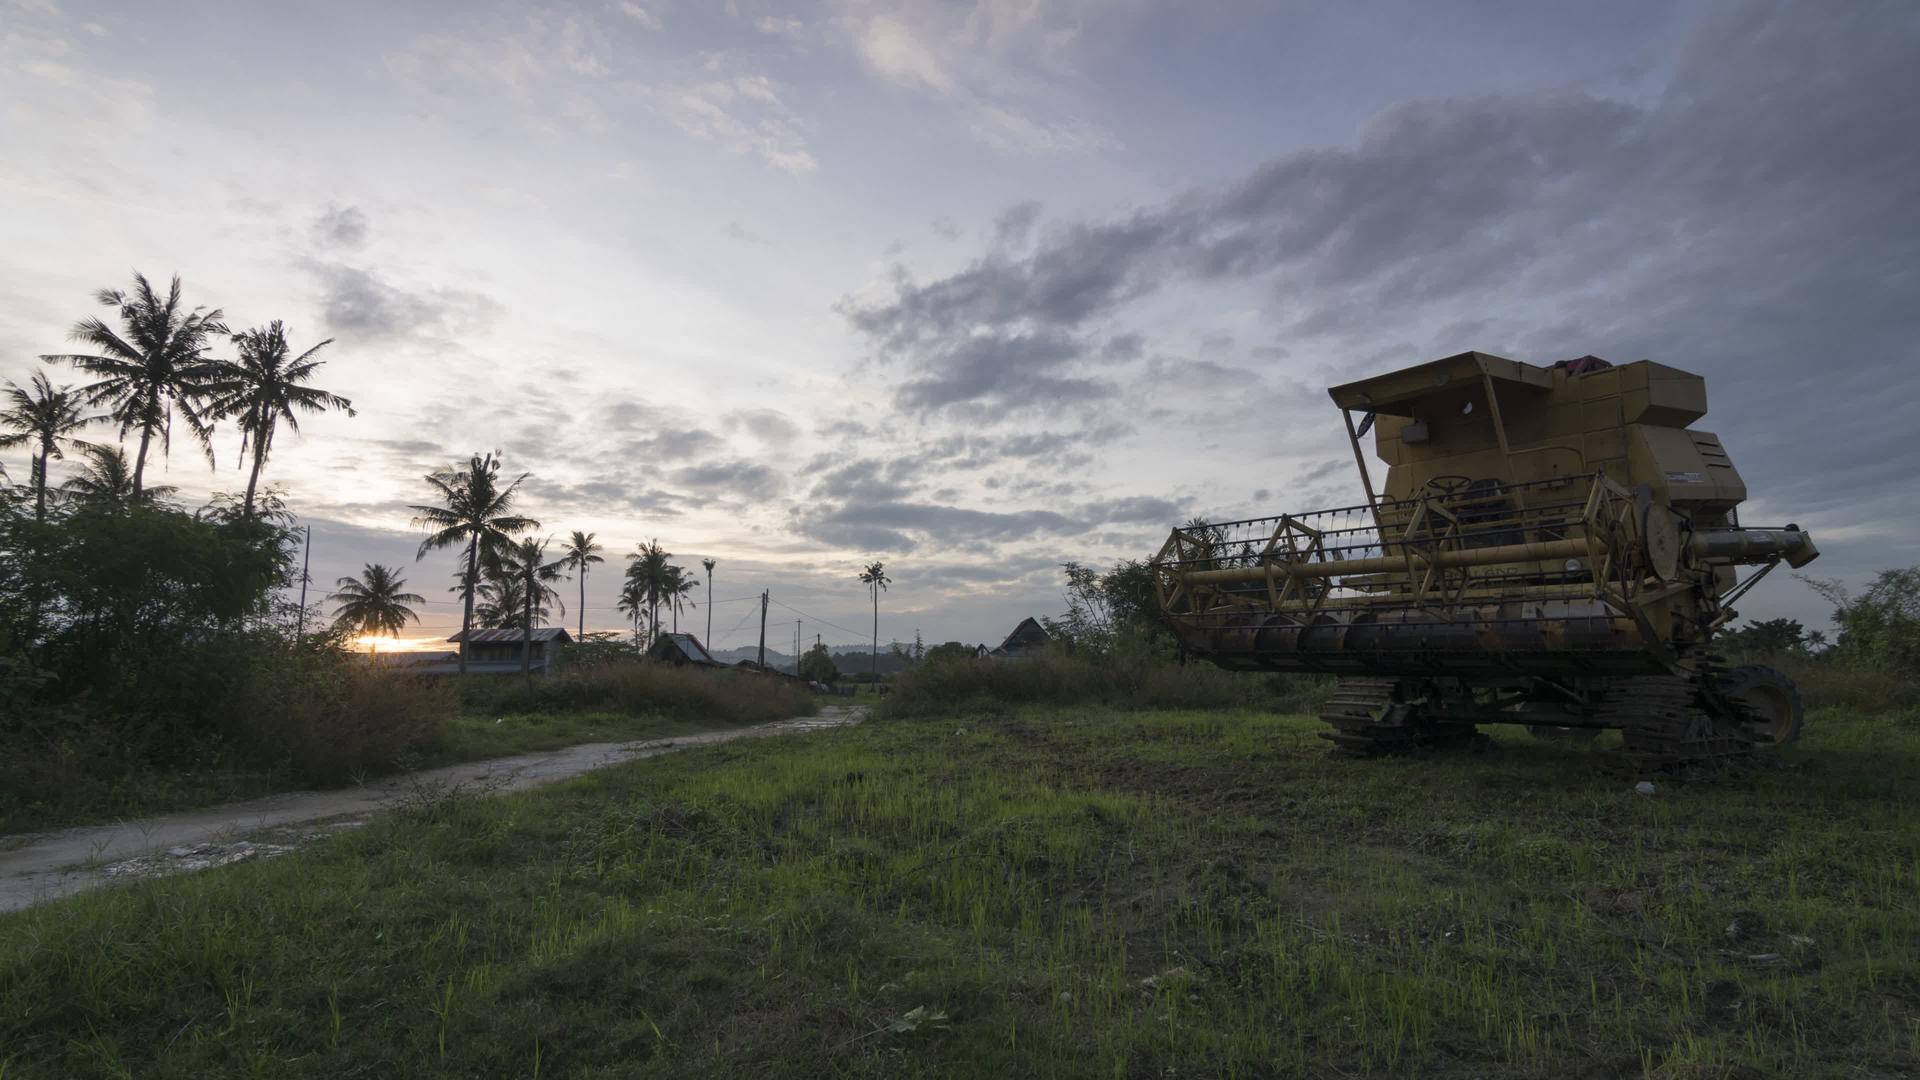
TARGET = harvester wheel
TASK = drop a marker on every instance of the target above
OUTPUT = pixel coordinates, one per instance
(1771, 700)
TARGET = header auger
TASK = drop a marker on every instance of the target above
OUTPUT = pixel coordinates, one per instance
(1551, 547)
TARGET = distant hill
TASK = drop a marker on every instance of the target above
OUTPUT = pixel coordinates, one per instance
(848, 660)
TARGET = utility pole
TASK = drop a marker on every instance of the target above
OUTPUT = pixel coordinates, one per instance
(306, 560)
(763, 628)
(796, 646)
(709, 564)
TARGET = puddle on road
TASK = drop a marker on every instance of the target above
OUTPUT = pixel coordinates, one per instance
(187, 858)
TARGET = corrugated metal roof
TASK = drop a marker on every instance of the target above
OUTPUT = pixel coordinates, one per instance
(508, 637)
(690, 646)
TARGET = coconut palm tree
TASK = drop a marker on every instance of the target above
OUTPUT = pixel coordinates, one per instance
(648, 568)
(578, 553)
(262, 388)
(475, 510)
(709, 563)
(876, 579)
(107, 480)
(525, 563)
(154, 366)
(47, 417)
(679, 587)
(373, 604)
(633, 602)
(499, 606)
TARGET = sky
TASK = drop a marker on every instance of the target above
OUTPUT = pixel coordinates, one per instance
(974, 288)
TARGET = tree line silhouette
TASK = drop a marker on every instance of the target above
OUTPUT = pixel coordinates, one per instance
(153, 368)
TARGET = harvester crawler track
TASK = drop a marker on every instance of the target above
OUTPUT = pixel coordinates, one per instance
(1672, 723)
(1383, 715)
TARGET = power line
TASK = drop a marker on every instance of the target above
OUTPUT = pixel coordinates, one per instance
(820, 620)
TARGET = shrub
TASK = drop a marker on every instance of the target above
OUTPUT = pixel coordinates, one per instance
(1135, 674)
(1832, 683)
(334, 720)
(638, 688)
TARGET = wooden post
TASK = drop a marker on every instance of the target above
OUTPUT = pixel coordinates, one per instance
(306, 560)
(763, 628)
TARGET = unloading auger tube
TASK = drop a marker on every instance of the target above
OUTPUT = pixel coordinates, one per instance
(1550, 546)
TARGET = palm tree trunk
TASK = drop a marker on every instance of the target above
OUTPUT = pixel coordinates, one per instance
(583, 601)
(709, 609)
(466, 615)
(526, 628)
(876, 634)
(140, 460)
(253, 479)
(39, 475)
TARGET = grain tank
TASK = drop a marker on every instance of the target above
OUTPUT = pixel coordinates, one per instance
(1554, 547)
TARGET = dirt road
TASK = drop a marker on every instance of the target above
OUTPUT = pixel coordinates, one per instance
(35, 867)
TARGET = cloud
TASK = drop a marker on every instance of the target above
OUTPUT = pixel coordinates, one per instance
(775, 26)
(356, 302)
(1003, 372)
(901, 526)
(341, 227)
(673, 445)
(743, 114)
(768, 425)
(739, 479)
(638, 14)
(997, 67)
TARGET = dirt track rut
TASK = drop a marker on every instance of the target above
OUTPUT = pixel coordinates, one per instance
(36, 867)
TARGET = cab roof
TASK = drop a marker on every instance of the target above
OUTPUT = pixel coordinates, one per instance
(1394, 393)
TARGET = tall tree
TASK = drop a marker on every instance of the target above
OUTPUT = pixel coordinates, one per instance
(46, 416)
(679, 587)
(633, 602)
(264, 387)
(876, 579)
(476, 510)
(709, 563)
(649, 569)
(578, 553)
(499, 605)
(374, 604)
(153, 366)
(525, 562)
(106, 479)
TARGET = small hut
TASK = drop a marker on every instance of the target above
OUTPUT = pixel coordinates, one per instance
(1025, 643)
(491, 652)
(681, 650)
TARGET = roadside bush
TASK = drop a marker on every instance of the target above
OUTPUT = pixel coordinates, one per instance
(239, 715)
(640, 688)
(1829, 682)
(329, 720)
(1133, 675)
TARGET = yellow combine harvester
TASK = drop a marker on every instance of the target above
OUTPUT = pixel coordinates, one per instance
(1552, 547)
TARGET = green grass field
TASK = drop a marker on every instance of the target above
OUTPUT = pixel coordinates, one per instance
(1037, 893)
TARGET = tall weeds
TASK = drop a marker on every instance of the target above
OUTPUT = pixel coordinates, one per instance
(639, 689)
(1124, 678)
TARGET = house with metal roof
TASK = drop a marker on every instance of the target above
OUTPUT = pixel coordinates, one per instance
(499, 652)
(681, 649)
(1025, 643)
